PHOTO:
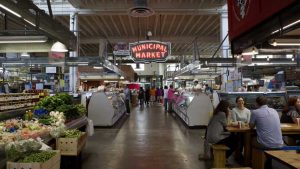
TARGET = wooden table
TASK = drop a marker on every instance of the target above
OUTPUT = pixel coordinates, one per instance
(246, 133)
(289, 158)
(286, 129)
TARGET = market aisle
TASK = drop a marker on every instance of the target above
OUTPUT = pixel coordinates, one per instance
(149, 139)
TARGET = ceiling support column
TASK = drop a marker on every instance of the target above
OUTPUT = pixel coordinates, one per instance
(73, 71)
(225, 45)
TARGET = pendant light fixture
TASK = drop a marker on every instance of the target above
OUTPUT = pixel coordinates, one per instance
(58, 47)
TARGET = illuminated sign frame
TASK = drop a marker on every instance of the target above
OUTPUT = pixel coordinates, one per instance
(150, 51)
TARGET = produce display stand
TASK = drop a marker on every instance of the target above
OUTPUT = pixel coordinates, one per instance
(71, 151)
(71, 146)
(77, 123)
(53, 163)
(74, 124)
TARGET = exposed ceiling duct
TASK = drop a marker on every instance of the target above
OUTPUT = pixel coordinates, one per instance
(140, 9)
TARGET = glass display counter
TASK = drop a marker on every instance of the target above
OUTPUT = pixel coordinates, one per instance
(106, 108)
(194, 109)
(276, 100)
(291, 93)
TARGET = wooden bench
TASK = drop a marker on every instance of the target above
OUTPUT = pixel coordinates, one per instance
(219, 155)
(258, 158)
(218, 152)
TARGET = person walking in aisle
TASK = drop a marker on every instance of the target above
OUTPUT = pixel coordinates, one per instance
(170, 98)
(152, 94)
(147, 96)
(158, 95)
(166, 98)
(141, 96)
(127, 99)
(268, 130)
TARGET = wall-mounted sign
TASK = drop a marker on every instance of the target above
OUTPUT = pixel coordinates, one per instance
(121, 49)
(150, 51)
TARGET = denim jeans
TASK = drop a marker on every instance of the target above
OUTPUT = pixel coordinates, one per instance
(166, 104)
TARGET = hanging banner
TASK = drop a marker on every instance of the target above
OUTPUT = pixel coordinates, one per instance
(150, 51)
(244, 15)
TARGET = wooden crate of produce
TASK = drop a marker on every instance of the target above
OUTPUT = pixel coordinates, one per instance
(52, 163)
(71, 146)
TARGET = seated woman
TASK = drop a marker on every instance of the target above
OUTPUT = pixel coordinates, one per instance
(216, 129)
(240, 112)
(289, 115)
(292, 111)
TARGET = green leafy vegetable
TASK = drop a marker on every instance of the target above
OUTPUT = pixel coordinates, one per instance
(39, 157)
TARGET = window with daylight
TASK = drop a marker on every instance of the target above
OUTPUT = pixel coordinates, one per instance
(134, 66)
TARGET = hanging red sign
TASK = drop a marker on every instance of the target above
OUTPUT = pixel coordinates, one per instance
(150, 51)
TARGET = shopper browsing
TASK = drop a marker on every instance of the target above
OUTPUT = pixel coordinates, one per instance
(215, 133)
(152, 94)
(141, 96)
(127, 99)
(170, 98)
(267, 123)
(166, 98)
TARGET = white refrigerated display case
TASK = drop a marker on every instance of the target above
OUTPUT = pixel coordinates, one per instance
(195, 109)
(106, 108)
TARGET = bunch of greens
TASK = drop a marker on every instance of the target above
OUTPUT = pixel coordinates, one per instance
(74, 133)
(57, 132)
(38, 157)
(72, 112)
(60, 102)
(49, 103)
(19, 149)
(65, 97)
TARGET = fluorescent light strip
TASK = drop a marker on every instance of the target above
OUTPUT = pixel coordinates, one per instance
(287, 26)
(29, 22)
(23, 41)
(11, 11)
(288, 44)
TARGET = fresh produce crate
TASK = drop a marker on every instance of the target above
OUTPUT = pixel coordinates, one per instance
(53, 163)
(71, 146)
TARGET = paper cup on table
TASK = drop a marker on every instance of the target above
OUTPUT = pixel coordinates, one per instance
(239, 124)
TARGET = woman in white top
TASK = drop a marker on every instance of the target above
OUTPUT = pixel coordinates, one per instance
(240, 112)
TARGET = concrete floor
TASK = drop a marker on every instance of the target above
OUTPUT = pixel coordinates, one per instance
(147, 139)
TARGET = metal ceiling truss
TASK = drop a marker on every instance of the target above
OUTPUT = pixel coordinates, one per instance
(41, 21)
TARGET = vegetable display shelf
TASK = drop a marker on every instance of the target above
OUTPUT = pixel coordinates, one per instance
(17, 100)
(8, 114)
(74, 124)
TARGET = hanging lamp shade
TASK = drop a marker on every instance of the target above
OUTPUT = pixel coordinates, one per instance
(58, 47)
